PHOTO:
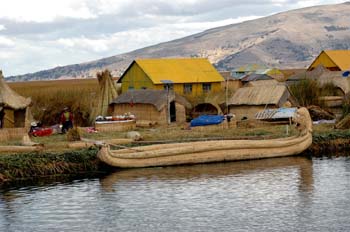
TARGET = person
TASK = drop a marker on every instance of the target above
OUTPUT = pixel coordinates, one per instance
(229, 117)
(66, 120)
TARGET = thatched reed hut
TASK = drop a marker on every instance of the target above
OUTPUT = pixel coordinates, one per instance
(342, 84)
(246, 102)
(158, 106)
(340, 90)
(14, 113)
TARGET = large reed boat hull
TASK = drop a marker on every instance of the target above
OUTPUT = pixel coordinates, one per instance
(211, 151)
(203, 152)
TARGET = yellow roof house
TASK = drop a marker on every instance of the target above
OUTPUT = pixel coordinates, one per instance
(334, 60)
(188, 76)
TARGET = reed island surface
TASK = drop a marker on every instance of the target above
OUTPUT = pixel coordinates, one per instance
(61, 157)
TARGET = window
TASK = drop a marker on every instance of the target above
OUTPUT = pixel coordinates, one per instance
(168, 87)
(187, 88)
(206, 87)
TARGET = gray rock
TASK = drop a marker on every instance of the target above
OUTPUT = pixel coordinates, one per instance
(134, 135)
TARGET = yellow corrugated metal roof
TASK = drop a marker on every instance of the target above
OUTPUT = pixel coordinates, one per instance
(180, 70)
(251, 68)
(340, 57)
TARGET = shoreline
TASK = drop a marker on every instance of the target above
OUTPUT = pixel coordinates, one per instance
(26, 166)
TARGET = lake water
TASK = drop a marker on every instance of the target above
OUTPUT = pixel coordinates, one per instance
(287, 194)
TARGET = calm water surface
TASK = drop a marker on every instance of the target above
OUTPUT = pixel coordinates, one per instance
(288, 194)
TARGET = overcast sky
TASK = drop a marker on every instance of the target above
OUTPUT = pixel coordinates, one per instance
(42, 34)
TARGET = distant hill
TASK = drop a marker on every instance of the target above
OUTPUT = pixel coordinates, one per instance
(286, 40)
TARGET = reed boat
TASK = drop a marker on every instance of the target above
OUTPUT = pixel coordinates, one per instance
(212, 151)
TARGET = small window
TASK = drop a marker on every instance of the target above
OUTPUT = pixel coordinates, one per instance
(168, 87)
(206, 87)
(187, 88)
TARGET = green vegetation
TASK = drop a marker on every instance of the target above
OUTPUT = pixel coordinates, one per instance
(324, 133)
(31, 165)
(326, 140)
(307, 92)
(329, 89)
(346, 105)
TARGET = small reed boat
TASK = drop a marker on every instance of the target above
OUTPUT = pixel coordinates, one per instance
(211, 151)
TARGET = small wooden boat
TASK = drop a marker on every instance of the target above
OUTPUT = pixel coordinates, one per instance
(212, 151)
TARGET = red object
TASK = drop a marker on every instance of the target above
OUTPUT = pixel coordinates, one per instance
(42, 132)
(64, 119)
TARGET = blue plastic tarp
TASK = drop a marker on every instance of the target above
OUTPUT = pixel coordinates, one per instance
(205, 120)
(346, 73)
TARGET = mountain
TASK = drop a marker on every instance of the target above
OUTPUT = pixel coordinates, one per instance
(290, 39)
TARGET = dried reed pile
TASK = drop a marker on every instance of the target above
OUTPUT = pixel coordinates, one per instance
(107, 92)
(49, 97)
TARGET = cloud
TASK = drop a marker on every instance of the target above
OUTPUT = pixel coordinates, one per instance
(44, 11)
(6, 42)
(41, 11)
(307, 3)
(94, 45)
(40, 34)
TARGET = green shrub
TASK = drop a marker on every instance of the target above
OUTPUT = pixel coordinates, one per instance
(306, 92)
(329, 89)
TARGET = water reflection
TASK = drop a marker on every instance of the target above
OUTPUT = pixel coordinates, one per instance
(286, 194)
(214, 170)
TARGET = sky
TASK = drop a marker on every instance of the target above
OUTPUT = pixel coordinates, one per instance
(40, 34)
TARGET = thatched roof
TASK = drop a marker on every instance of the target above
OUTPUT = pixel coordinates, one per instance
(260, 95)
(337, 79)
(256, 77)
(157, 98)
(183, 101)
(9, 98)
(293, 74)
(303, 74)
(226, 75)
(262, 83)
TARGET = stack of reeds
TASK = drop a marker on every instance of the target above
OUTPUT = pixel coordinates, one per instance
(7, 134)
(107, 92)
